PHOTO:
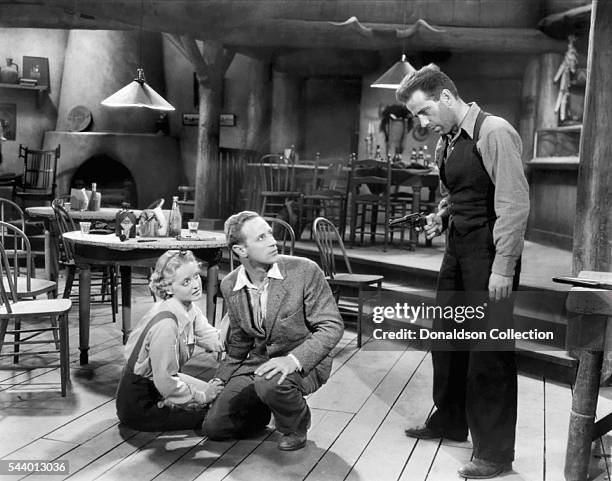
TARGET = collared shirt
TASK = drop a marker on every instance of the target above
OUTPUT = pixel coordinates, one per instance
(500, 147)
(242, 281)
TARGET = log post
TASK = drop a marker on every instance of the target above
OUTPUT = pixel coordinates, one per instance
(593, 224)
(210, 63)
(259, 106)
(285, 112)
(547, 95)
(529, 97)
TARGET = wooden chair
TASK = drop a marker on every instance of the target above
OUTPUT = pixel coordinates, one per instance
(329, 197)
(18, 251)
(39, 171)
(107, 274)
(13, 214)
(376, 177)
(277, 183)
(30, 313)
(327, 236)
(283, 233)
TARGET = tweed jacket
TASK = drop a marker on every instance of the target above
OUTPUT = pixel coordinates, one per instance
(302, 318)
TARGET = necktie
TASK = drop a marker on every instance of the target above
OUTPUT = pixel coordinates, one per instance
(256, 302)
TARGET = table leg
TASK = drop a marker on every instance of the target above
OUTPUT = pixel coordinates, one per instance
(212, 275)
(582, 417)
(126, 301)
(84, 311)
(416, 208)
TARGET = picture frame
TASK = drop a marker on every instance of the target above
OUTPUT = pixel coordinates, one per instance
(227, 120)
(8, 120)
(36, 68)
(191, 119)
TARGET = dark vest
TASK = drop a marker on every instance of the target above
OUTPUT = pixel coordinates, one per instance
(470, 188)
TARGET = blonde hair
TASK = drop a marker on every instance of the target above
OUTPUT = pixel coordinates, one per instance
(165, 270)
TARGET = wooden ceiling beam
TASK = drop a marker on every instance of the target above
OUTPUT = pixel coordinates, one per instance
(302, 34)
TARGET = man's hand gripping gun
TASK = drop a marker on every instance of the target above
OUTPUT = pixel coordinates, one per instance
(412, 221)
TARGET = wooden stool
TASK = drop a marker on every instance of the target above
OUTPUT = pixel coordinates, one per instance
(594, 307)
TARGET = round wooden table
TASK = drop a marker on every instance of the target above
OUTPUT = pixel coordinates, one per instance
(109, 249)
(46, 215)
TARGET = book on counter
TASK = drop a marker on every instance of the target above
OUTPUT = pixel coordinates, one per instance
(32, 82)
(582, 282)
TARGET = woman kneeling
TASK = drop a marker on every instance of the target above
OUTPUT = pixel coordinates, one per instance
(153, 395)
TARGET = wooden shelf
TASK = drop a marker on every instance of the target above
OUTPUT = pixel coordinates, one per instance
(554, 163)
(39, 89)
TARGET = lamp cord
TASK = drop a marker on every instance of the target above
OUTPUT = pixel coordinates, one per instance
(404, 26)
(140, 34)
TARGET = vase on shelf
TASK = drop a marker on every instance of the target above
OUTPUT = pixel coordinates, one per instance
(10, 73)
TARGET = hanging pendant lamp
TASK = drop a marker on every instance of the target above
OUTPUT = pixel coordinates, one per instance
(138, 93)
(392, 78)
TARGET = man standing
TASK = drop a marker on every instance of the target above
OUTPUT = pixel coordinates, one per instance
(284, 322)
(485, 210)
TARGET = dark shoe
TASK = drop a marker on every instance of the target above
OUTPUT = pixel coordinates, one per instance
(483, 469)
(292, 442)
(425, 432)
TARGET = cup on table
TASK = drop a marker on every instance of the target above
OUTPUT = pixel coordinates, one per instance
(67, 206)
(193, 226)
(85, 226)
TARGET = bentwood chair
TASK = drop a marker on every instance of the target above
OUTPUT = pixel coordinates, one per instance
(107, 274)
(329, 196)
(31, 313)
(11, 212)
(39, 171)
(278, 194)
(17, 248)
(327, 237)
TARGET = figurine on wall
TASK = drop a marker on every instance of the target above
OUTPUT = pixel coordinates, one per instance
(395, 121)
(564, 76)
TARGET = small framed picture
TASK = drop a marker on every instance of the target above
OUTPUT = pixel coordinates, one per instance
(227, 120)
(191, 119)
(37, 68)
(8, 120)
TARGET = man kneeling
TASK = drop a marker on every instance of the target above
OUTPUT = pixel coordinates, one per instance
(284, 322)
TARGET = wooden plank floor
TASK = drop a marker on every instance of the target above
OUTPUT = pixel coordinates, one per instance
(357, 429)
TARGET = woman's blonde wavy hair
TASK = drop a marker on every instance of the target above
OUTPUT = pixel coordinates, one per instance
(165, 270)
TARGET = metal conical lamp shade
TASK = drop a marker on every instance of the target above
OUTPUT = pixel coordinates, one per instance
(392, 78)
(137, 94)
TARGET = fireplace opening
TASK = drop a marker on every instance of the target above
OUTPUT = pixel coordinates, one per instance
(113, 179)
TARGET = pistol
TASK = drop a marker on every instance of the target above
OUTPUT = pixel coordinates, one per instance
(412, 220)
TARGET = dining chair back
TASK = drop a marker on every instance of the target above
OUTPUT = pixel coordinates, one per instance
(32, 312)
(283, 233)
(327, 237)
(39, 173)
(61, 224)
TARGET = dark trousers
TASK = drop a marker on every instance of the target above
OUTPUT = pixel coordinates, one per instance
(137, 407)
(244, 406)
(476, 389)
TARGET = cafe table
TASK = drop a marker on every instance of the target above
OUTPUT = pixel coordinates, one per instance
(46, 215)
(139, 252)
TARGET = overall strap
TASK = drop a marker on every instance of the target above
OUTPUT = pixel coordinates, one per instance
(154, 320)
(479, 120)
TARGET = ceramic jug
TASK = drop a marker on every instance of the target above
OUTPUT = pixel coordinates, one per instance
(10, 73)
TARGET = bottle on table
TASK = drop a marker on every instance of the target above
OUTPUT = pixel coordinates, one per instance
(95, 199)
(378, 155)
(175, 221)
(413, 156)
(420, 156)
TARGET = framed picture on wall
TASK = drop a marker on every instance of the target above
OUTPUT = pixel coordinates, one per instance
(37, 68)
(8, 120)
(227, 120)
(191, 119)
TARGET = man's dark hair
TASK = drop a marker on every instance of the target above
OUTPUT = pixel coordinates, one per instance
(429, 79)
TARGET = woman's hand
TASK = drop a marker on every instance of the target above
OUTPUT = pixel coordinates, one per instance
(213, 390)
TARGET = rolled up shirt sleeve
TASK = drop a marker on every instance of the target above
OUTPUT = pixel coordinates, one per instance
(164, 359)
(500, 147)
(206, 336)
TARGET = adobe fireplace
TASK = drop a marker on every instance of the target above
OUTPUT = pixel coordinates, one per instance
(144, 167)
